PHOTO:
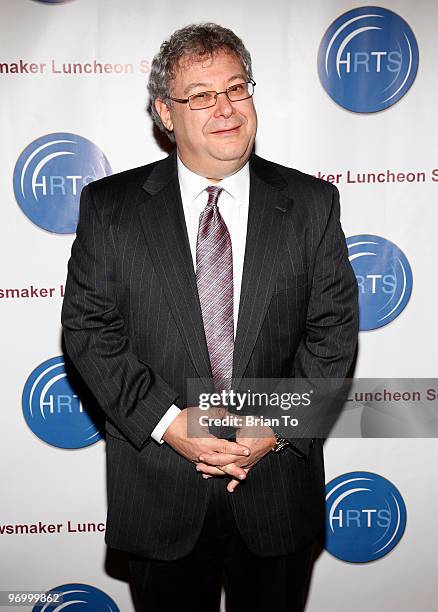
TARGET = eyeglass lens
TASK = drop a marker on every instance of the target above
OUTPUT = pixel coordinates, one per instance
(237, 92)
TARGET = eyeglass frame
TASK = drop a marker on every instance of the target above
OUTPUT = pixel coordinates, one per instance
(216, 94)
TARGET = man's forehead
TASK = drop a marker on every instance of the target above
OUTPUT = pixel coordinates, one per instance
(203, 61)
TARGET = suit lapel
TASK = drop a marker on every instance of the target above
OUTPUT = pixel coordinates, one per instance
(163, 223)
(265, 236)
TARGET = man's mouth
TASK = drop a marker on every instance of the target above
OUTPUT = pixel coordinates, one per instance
(227, 131)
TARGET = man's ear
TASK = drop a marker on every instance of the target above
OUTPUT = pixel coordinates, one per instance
(164, 112)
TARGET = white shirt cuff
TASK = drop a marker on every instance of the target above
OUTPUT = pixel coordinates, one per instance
(164, 423)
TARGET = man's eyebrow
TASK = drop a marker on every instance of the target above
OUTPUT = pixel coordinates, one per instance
(190, 86)
(193, 85)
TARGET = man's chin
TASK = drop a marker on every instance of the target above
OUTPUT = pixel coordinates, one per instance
(231, 154)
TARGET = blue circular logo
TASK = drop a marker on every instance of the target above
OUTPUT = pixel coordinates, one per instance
(365, 517)
(49, 176)
(368, 59)
(52, 408)
(79, 597)
(384, 278)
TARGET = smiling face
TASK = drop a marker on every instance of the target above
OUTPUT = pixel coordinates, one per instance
(214, 142)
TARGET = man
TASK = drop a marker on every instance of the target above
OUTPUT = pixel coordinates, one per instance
(210, 264)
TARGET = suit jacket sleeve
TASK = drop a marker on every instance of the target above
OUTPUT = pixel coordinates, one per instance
(327, 348)
(132, 396)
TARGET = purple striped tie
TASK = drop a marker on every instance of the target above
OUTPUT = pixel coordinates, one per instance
(214, 276)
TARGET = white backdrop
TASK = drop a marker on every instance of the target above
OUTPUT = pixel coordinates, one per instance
(306, 130)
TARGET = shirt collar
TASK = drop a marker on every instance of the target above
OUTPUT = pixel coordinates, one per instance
(192, 184)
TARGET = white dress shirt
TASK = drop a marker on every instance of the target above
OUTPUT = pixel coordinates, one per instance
(233, 205)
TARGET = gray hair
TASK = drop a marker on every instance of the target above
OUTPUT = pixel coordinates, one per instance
(196, 41)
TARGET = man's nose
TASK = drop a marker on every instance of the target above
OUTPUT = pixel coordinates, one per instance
(223, 107)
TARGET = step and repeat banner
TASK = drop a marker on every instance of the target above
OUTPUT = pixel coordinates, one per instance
(346, 92)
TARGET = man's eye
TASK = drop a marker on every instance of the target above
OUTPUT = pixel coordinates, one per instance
(236, 88)
(201, 96)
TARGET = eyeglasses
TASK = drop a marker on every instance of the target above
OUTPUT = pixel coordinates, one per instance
(205, 99)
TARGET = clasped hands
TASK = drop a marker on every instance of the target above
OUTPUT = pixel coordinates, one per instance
(214, 456)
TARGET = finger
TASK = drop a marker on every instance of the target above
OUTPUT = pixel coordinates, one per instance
(234, 482)
(231, 448)
(209, 469)
(230, 469)
(218, 458)
(232, 485)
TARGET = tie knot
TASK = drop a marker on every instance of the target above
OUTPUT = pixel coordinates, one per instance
(213, 195)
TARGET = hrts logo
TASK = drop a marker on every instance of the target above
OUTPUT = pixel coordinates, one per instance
(368, 59)
(52, 408)
(384, 277)
(79, 597)
(366, 517)
(49, 176)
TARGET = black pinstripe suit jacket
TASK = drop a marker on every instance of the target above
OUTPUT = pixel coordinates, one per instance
(133, 328)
